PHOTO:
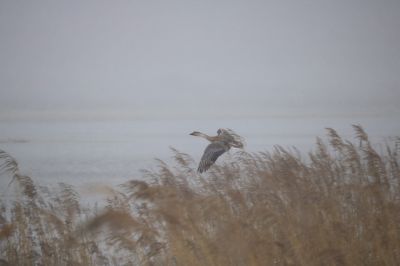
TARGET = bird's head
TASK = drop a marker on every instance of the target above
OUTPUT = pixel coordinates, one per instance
(195, 133)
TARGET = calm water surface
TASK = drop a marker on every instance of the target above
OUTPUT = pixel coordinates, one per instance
(85, 152)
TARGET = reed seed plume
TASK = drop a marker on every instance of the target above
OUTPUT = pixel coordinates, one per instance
(337, 205)
(237, 138)
(8, 165)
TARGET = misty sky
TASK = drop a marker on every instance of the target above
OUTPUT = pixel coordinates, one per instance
(198, 58)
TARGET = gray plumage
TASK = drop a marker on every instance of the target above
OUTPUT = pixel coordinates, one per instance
(211, 154)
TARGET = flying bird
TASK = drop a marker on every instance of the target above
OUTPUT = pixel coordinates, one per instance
(225, 139)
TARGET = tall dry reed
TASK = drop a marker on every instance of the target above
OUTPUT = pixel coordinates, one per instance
(339, 205)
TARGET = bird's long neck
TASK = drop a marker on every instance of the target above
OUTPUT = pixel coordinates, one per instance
(207, 137)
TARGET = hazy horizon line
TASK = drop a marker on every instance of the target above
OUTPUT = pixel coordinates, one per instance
(99, 115)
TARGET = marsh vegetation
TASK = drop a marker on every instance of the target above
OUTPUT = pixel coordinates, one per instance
(337, 205)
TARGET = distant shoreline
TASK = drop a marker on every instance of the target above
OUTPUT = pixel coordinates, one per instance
(12, 140)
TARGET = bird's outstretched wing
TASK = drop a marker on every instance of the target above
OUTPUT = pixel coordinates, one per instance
(211, 154)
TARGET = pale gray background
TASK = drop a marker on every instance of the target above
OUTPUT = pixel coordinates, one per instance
(118, 59)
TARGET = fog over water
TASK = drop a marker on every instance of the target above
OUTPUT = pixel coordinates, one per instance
(111, 152)
(94, 90)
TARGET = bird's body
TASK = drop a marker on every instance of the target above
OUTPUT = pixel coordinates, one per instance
(220, 144)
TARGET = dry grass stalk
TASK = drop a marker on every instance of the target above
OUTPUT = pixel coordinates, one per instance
(340, 206)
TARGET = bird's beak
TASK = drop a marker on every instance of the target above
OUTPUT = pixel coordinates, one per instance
(192, 134)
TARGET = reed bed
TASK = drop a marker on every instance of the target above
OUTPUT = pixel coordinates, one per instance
(337, 205)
